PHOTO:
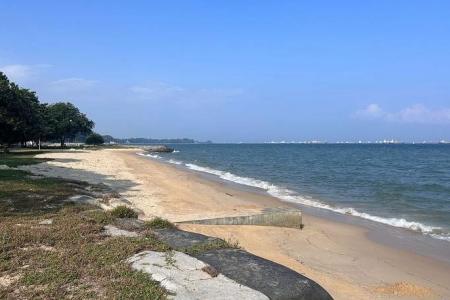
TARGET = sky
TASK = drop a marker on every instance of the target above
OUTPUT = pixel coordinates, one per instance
(238, 71)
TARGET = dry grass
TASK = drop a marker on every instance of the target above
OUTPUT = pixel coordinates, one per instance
(69, 258)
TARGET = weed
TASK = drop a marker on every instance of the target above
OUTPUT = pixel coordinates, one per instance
(123, 211)
(159, 223)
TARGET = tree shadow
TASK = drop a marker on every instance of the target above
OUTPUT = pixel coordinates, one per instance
(45, 187)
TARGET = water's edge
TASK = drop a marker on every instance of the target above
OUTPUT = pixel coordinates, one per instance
(293, 197)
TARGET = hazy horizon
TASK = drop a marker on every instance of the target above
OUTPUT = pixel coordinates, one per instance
(239, 71)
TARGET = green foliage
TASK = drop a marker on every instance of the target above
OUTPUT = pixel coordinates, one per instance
(23, 118)
(159, 223)
(211, 245)
(65, 121)
(21, 114)
(94, 139)
(123, 212)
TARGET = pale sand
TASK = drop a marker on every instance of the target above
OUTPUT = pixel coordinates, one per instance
(340, 257)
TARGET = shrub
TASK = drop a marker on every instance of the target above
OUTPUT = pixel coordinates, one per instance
(123, 212)
(159, 223)
(94, 139)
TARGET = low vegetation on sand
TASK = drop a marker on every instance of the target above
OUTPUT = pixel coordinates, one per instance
(51, 249)
(159, 223)
(123, 211)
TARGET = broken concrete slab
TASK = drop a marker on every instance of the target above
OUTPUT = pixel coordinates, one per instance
(130, 224)
(274, 280)
(46, 222)
(280, 217)
(111, 230)
(182, 275)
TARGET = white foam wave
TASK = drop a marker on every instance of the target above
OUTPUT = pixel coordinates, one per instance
(176, 151)
(175, 162)
(291, 196)
(149, 155)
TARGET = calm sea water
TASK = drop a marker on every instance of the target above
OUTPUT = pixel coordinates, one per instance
(399, 185)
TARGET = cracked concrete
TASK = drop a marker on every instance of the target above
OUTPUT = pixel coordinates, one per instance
(183, 277)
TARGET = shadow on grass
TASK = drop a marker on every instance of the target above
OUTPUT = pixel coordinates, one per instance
(22, 191)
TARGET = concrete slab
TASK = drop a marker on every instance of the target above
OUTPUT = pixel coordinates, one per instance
(182, 275)
(111, 230)
(281, 217)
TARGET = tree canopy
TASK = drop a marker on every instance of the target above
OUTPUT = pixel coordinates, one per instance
(23, 118)
(94, 139)
(65, 121)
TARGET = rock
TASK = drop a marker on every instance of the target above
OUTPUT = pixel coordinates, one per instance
(130, 224)
(179, 239)
(274, 280)
(182, 275)
(46, 222)
(111, 230)
(158, 148)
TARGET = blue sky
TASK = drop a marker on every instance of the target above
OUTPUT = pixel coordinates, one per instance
(234, 71)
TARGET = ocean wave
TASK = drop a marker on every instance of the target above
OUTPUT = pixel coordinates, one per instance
(175, 162)
(291, 196)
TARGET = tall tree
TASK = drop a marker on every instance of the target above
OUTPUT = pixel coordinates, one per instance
(20, 118)
(65, 121)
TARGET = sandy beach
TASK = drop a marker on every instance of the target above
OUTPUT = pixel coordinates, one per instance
(338, 256)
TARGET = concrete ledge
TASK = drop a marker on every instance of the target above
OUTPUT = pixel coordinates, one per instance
(279, 217)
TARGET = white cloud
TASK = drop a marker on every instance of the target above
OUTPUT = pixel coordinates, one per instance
(417, 113)
(72, 84)
(18, 72)
(158, 91)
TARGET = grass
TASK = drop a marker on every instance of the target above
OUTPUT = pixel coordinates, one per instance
(15, 159)
(159, 223)
(69, 258)
(21, 192)
(24, 193)
(123, 211)
(211, 245)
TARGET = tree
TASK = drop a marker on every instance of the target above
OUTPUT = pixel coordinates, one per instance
(94, 139)
(65, 121)
(20, 113)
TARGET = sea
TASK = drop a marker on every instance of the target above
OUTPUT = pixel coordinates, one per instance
(399, 185)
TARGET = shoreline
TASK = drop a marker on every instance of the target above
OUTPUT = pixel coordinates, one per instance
(389, 235)
(290, 196)
(344, 258)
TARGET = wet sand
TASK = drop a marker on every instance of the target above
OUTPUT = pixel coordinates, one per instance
(339, 256)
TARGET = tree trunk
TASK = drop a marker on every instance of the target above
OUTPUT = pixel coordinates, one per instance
(63, 144)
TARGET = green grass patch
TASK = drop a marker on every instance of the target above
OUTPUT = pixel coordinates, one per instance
(159, 223)
(20, 192)
(211, 245)
(16, 159)
(123, 211)
(70, 258)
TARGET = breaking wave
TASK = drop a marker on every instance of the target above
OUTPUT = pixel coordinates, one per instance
(291, 196)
